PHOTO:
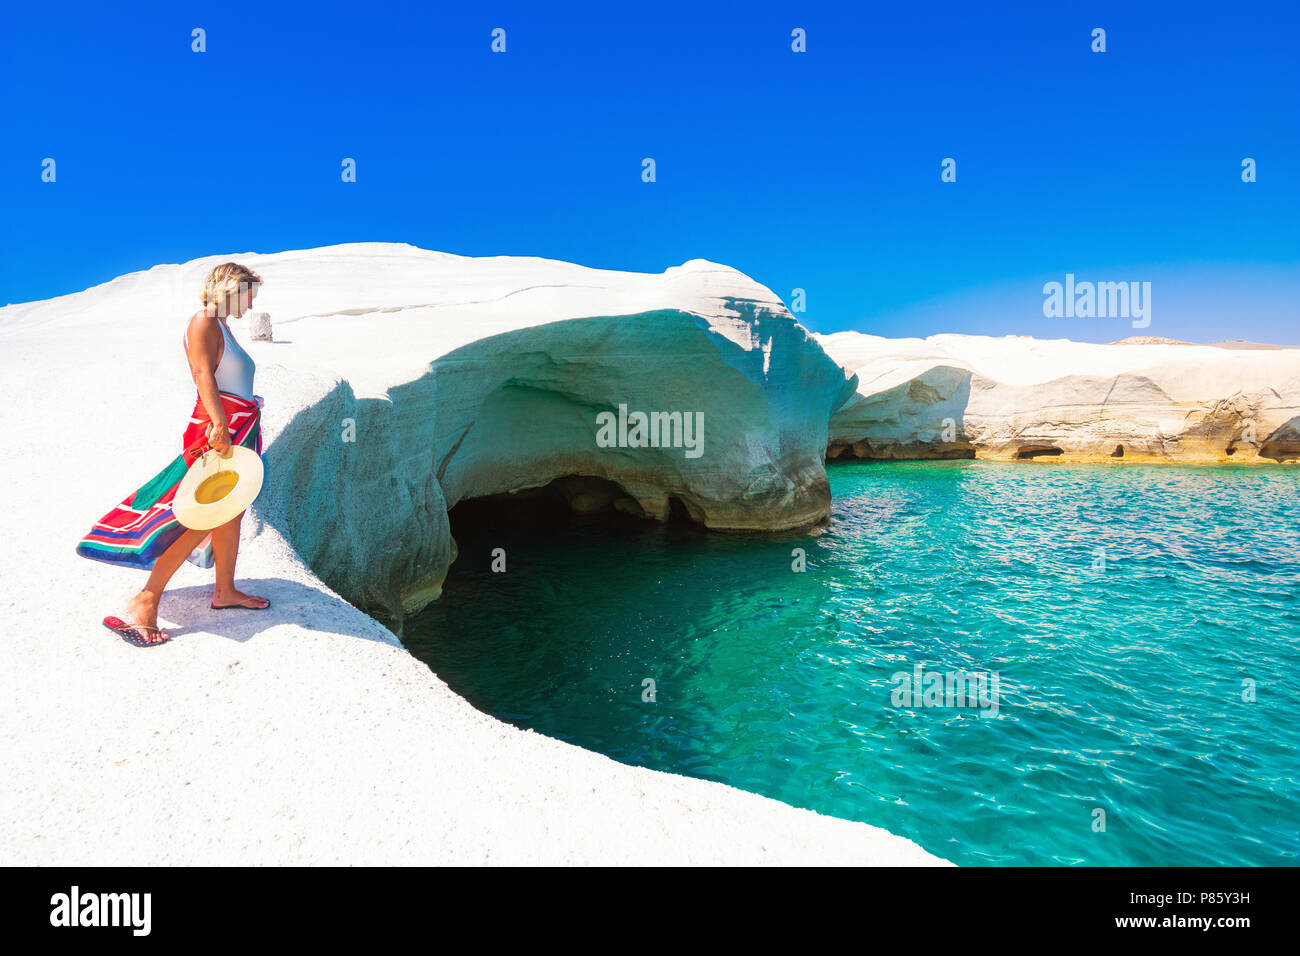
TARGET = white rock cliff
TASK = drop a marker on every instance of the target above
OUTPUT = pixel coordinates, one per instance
(961, 396)
(483, 376)
(305, 734)
(399, 383)
(403, 381)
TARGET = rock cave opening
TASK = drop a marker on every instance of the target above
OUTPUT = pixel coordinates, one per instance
(566, 503)
(1037, 451)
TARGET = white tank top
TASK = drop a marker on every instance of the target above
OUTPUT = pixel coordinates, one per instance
(236, 368)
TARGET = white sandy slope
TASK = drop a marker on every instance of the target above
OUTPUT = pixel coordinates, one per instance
(306, 733)
(1009, 394)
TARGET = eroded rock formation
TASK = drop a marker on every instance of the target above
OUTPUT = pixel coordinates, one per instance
(479, 377)
(1018, 398)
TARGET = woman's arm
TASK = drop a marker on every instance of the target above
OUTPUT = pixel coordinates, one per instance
(205, 347)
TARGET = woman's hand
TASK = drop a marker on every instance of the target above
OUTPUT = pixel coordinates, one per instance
(219, 438)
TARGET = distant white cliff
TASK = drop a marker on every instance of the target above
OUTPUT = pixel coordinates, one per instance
(961, 396)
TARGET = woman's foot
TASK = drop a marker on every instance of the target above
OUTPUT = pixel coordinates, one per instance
(143, 609)
(233, 598)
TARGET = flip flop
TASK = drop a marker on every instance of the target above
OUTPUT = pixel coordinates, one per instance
(131, 633)
(242, 607)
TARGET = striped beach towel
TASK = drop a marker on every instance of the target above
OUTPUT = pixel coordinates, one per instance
(142, 527)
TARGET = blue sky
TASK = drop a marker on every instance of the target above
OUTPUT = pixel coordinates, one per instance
(818, 170)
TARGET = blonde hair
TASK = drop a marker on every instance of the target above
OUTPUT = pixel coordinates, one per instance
(226, 280)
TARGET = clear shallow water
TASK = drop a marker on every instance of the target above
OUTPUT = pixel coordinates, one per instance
(1120, 689)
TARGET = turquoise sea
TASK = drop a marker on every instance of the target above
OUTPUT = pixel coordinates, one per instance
(1124, 609)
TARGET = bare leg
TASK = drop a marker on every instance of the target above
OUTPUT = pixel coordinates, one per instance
(143, 607)
(225, 548)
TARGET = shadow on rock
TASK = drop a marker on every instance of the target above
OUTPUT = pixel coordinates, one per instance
(291, 603)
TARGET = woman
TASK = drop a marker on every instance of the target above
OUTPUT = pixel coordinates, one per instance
(142, 531)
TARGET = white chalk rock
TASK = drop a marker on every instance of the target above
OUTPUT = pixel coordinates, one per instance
(405, 381)
(444, 378)
(954, 396)
(310, 704)
(259, 327)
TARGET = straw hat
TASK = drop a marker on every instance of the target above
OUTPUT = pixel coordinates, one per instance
(216, 489)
